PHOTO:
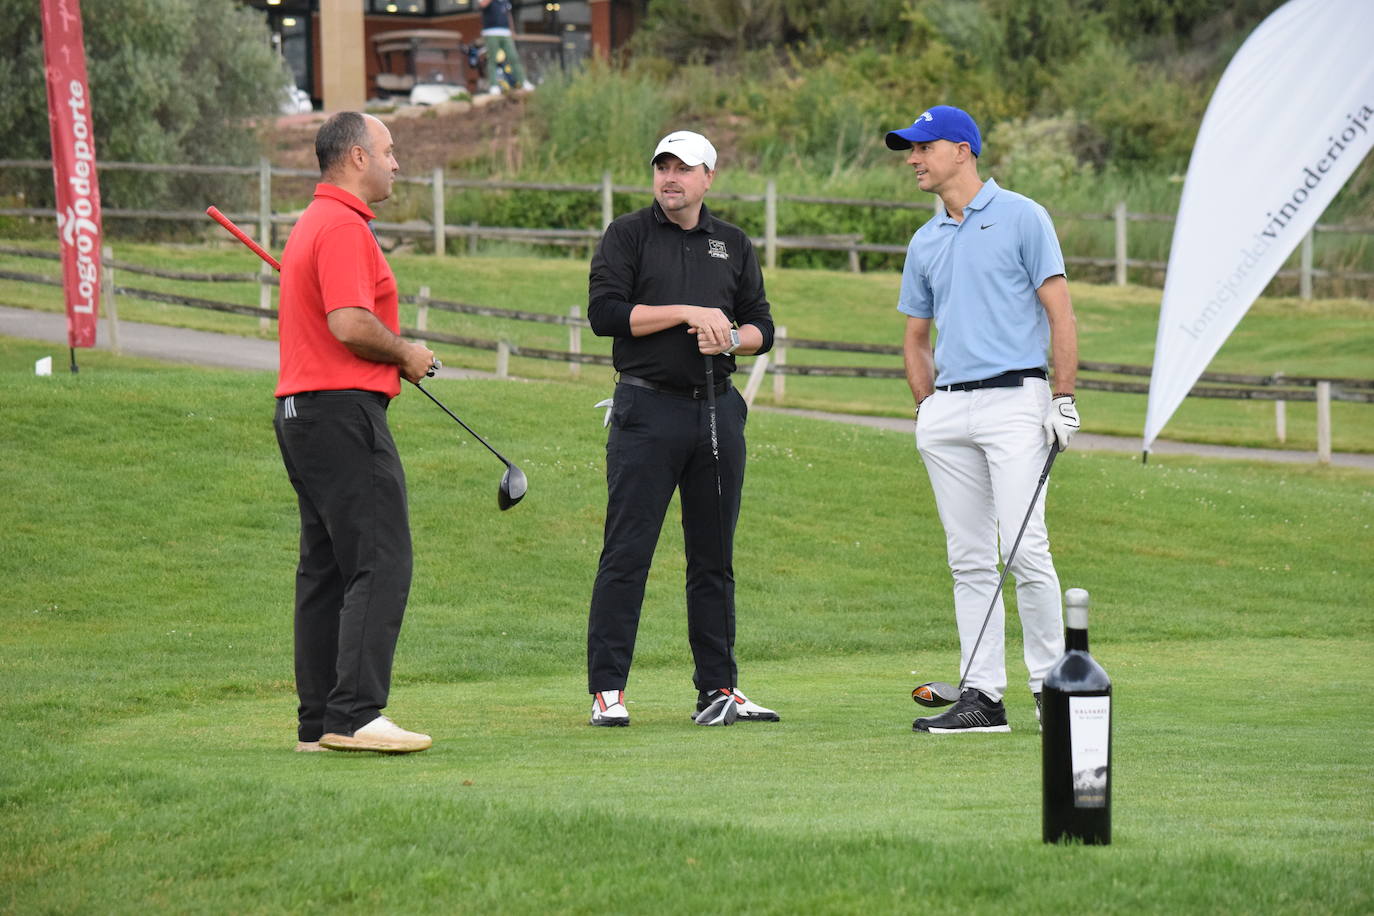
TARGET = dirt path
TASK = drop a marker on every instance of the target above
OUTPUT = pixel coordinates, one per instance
(449, 136)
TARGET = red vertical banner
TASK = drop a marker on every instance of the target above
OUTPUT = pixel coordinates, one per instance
(73, 166)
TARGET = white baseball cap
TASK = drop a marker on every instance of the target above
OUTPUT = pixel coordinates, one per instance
(692, 148)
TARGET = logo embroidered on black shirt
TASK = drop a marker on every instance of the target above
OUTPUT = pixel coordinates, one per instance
(717, 249)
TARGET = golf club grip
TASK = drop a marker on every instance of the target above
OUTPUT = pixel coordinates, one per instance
(236, 232)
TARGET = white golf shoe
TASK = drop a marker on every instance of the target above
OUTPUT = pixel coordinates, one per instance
(380, 735)
(608, 708)
(749, 711)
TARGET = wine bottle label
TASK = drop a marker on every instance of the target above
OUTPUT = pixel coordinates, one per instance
(1089, 733)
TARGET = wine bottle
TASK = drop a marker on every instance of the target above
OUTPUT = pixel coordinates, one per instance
(1076, 738)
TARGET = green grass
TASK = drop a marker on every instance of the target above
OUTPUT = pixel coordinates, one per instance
(145, 641)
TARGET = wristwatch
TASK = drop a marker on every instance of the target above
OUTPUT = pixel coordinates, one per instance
(734, 343)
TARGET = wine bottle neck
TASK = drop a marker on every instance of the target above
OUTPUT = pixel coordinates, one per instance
(1075, 639)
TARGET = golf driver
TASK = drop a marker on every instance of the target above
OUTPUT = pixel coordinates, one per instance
(724, 710)
(514, 484)
(938, 693)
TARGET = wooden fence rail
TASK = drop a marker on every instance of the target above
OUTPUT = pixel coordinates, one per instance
(439, 231)
(1258, 387)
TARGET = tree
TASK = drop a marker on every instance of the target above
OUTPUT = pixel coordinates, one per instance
(172, 81)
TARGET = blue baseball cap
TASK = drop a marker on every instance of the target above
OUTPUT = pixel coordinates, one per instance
(943, 122)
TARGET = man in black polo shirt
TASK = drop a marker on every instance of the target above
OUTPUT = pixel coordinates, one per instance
(674, 284)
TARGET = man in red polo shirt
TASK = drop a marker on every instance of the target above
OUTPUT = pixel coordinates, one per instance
(341, 364)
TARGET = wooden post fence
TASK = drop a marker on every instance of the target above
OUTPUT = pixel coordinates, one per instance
(1305, 269)
(756, 372)
(265, 203)
(1323, 422)
(575, 338)
(264, 237)
(770, 224)
(107, 295)
(438, 199)
(503, 359)
(779, 360)
(1280, 415)
(422, 311)
(1120, 218)
(607, 199)
(264, 295)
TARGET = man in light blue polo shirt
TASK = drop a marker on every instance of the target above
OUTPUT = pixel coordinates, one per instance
(988, 273)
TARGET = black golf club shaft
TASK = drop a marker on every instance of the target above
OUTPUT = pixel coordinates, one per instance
(462, 424)
(1006, 565)
(710, 362)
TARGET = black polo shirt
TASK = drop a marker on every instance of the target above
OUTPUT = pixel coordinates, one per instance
(644, 258)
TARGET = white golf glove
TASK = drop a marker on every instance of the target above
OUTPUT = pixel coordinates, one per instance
(608, 404)
(1062, 421)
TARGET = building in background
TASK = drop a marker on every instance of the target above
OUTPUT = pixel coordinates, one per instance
(551, 34)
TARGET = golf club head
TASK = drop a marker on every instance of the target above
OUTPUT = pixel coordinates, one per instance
(723, 711)
(935, 694)
(514, 485)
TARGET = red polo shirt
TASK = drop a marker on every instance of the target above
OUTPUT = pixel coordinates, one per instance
(332, 261)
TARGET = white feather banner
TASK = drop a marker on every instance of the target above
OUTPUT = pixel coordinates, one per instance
(1289, 122)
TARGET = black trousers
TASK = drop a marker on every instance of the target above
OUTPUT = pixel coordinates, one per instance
(659, 443)
(355, 561)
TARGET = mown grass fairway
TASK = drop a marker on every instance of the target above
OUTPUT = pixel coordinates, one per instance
(149, 538)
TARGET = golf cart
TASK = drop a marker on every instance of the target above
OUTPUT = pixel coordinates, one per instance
(423, 66)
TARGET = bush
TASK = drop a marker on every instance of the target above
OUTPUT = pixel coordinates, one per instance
(598, 119)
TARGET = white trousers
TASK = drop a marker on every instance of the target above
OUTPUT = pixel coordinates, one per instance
(984, 451)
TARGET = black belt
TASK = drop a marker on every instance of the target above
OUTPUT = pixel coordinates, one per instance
(377, 396)
(697, 392)
(1005, 380)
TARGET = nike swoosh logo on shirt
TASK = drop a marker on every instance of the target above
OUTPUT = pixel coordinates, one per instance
(987, 225)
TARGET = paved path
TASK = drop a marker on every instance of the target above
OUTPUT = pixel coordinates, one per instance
(156, 341)
(204, 348)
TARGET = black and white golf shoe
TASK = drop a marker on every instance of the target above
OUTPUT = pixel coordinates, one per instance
(973, 712)
(746, 710)
(608, 708)
(1038, 721)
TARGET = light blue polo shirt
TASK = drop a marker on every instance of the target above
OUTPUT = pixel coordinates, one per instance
(978, 279)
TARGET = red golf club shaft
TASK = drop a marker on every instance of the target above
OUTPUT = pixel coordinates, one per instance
(227, 223)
